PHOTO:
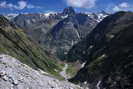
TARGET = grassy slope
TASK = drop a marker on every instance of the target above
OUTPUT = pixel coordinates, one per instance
(14, 42)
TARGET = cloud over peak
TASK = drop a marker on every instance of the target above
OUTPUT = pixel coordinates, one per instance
(81, 3)
(22, 4)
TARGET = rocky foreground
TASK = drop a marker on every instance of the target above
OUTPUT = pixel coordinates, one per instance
(15, 75)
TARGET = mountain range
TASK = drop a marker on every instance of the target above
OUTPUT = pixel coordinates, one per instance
(58, 32)
(98, 46)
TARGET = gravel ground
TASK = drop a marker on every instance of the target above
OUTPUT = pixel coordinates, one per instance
(15, 75)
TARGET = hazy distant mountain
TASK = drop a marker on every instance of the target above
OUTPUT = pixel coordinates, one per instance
(36, 25)
(10, 16)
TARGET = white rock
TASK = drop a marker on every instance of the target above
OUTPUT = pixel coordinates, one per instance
(5, 78)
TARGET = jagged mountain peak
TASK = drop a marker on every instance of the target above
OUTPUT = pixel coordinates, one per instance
(69, 11)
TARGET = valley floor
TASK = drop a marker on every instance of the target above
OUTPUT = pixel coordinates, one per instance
(63, 72)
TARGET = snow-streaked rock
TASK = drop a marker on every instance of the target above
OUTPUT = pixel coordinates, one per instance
(10, 16)
(83, 64)
(15, 75)
(49, 13)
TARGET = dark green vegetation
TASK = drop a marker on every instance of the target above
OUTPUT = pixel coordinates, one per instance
(71, 70)
(108, 50)
(14, 42)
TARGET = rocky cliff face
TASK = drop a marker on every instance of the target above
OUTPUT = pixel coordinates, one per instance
(109, 54)
(68, 32)
(15, 75)
(36, 25)
(14, 42)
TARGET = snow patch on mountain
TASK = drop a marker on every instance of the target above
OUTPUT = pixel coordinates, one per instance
(11, 16)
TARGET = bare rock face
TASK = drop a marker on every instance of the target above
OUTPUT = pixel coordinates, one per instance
(15, 75)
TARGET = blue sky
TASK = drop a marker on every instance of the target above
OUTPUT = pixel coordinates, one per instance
(41, 6)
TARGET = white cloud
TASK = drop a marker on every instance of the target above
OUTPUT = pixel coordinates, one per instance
(20, 5)
(3, 4)
(30, 6)
(124, 5)
(121, 6)
(81, 3)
